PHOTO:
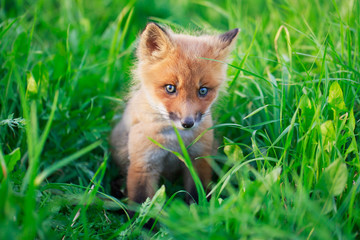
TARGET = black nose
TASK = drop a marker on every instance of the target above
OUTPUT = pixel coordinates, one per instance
(188, 122)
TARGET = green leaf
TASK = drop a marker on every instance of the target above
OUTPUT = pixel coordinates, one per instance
(334, 178)
(272, 177)
(12, 158)
(307, 112)
(328, 135)
(261, 186)
(328, 204)
(351, 123)
(32, 87)
(352, 147)
(336, 98)
(233, 151)
(151, 208)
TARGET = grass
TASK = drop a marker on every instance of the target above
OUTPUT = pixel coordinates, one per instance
(287, 123)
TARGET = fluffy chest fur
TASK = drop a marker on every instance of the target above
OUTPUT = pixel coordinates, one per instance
(166, 162)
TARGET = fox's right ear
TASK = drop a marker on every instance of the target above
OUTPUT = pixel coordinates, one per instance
(226, 43)
(154, 42)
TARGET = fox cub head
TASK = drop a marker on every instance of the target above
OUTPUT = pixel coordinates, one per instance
(180, 79)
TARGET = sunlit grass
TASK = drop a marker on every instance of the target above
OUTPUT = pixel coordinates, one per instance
(287, 122)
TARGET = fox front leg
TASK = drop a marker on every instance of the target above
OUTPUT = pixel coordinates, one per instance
(144, 166)
(141, 183)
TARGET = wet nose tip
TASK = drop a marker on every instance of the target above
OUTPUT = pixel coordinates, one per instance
(187, 123)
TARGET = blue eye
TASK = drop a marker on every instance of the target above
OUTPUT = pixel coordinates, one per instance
(203, 91)
(170, 89)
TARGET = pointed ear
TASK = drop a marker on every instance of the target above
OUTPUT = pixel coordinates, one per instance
(226, 42)
(155, 42)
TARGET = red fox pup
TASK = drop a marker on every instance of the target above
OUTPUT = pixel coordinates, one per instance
(175, 85)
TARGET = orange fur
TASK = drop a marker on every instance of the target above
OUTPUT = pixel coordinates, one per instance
(166, 58)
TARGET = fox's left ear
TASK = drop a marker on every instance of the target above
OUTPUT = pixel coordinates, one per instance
(227, 42)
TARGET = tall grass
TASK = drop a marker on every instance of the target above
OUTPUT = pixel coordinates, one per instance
(287, 122)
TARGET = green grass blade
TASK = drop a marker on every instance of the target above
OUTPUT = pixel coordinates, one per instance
(63, 162)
